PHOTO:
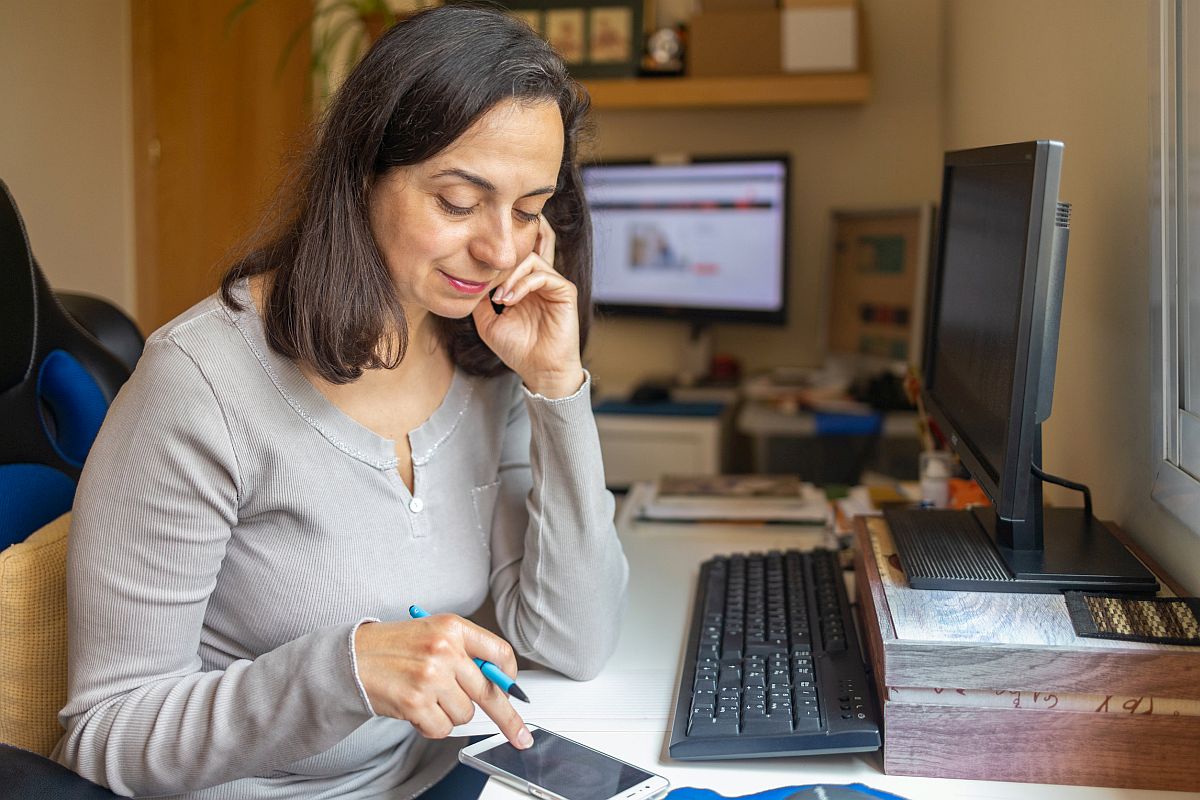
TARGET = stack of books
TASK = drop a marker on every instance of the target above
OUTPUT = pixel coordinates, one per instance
(742, 498)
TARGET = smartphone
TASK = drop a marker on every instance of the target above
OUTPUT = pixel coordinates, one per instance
(557, 768)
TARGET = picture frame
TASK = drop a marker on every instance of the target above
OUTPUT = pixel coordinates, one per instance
(596, 38)
(877, 284)
(531, 17)
(566, 32)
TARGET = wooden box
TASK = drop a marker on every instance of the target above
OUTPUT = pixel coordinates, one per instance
(998, 687)
(728, 43)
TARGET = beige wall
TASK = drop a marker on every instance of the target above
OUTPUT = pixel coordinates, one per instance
(66, 136)
(886, 153)
(1082, 74)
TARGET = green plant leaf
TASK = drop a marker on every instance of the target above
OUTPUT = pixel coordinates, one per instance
(236, 12)
(323, 49)
(356, 50)
(333, 35)
(293, 40)
(298, 33)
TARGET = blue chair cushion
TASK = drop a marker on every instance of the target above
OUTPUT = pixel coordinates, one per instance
(76, 403)
(31, 495)
(71, 407)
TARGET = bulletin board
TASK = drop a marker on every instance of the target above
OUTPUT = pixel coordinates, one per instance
(877, 287)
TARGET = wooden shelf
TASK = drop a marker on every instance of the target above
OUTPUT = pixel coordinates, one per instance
(845, 88)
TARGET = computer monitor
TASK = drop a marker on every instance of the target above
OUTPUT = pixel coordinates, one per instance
(991, 346)
(702, 241)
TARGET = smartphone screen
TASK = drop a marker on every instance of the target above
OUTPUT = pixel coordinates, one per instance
(565, 767)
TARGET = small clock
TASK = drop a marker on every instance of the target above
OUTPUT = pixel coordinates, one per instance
(664, 52)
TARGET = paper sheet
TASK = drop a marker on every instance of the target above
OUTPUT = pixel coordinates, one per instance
(618, 700)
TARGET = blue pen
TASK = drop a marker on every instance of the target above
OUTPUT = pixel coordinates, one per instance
(490, 670)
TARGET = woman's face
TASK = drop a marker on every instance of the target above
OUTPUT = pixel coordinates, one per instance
(452, 227)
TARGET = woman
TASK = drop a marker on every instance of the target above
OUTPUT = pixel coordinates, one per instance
(349, 428)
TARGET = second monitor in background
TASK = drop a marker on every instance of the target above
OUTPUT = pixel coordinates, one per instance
(700, 242)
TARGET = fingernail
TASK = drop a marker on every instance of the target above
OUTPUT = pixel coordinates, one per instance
(509, 296)
(525, 739)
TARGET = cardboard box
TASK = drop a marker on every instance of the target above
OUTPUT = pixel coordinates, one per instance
(727, 43)
(819, 36)
(991, 686)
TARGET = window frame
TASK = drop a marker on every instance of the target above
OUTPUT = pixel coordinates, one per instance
(1177, 439)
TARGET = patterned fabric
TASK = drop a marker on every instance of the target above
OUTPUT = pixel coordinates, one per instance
(33, 628)
(1161, 620)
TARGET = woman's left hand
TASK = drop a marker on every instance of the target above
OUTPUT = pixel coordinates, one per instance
(537, 336)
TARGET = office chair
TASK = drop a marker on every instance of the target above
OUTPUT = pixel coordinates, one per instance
(107, 324)
(56, 382)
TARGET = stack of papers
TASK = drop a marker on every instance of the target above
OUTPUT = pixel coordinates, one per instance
(761, 498)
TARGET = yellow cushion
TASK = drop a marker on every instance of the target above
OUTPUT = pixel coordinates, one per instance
(33, 638)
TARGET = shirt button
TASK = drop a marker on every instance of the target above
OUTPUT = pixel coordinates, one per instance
(416, 505)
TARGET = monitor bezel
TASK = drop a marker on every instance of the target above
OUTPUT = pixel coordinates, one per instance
(700, 314)
(1010, 491)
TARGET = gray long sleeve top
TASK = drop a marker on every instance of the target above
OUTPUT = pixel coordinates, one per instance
(232, 528)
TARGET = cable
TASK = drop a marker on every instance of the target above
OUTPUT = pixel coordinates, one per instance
(1079, 487)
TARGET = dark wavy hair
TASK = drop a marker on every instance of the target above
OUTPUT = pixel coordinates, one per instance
(332, 304)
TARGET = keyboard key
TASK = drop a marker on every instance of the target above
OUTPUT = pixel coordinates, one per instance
(731, 676)
(704, 728)
(801, 643)
(807, 722)
(731, 644)
(766, 647)
(755, 709)
(766, 725)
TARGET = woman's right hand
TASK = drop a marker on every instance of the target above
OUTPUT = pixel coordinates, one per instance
(421, 671)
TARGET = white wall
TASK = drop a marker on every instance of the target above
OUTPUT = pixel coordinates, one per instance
(1080, 71)
(65, 139)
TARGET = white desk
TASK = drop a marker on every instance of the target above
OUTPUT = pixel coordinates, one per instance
(664, 564)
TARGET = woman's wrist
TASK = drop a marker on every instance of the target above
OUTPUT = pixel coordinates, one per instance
(556, 385)
(357, 656)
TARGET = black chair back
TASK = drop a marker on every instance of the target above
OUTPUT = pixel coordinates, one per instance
(56, 383)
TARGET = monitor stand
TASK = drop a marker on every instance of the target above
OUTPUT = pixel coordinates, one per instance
(961, 551)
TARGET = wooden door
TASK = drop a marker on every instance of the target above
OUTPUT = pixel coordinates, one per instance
(215, 121)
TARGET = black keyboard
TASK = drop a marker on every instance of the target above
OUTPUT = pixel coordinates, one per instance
(773, 666)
